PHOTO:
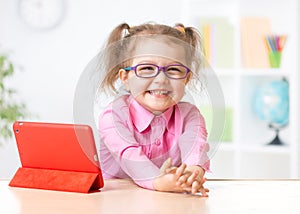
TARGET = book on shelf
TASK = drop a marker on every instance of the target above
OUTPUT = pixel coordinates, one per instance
(253, 32)
(218, 41)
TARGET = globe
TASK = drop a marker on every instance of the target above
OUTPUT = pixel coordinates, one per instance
(271, 104)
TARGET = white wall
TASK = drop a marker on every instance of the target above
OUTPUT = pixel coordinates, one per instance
(51, 62)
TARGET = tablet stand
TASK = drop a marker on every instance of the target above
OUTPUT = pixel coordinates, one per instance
(83, 182)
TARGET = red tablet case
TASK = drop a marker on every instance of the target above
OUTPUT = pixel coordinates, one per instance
(57, 157)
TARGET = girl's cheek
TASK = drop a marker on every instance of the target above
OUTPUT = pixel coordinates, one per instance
(138, 87)
(179, 88)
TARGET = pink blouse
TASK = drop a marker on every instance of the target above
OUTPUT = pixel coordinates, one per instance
(135, 143)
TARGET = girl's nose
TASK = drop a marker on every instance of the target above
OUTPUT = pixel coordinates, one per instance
(161, 77)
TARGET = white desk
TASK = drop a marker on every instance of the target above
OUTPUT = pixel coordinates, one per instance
(123, 196)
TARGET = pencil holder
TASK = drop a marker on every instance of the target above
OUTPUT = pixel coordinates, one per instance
(275, 59)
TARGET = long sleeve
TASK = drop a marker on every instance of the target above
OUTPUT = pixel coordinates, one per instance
(117, 135)
(193, 140)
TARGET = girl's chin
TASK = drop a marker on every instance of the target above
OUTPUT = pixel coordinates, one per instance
(156, 108)
(157, 111)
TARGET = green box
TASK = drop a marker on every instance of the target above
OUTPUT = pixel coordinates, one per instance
(275, 59)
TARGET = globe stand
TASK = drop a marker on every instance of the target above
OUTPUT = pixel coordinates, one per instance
(276, 141)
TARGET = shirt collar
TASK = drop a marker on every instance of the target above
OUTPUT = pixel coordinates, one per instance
(142, 118)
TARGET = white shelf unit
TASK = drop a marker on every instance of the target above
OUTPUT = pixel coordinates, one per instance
(248, 156)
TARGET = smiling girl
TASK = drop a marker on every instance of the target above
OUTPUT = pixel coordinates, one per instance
(148, 134)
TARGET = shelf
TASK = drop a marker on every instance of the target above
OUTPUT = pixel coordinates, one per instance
(248, 155)
(264, 72)
(266, 149)
(231, 146)
(221, 72)
(227, 146)
(235, 72)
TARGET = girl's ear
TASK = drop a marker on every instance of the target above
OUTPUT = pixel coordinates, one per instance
(123, 75)
(188, 78)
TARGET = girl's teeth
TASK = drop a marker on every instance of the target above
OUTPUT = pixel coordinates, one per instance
(159, 92)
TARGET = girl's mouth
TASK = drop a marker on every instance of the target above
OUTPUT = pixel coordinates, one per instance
(159, 92)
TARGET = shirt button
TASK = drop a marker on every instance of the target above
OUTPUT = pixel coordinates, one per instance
(157, 142)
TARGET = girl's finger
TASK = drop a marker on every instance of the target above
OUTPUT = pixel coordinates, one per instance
(180, 170)
(167, 164)
(192, 177)
(196, 187)
(182, 180)
(187, 189)
(171, 170)
(203, 180)
(204, 191)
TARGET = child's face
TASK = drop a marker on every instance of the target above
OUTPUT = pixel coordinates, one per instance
(159, 93)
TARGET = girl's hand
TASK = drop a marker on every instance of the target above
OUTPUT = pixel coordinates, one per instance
(193, 176)
(168, 180)
(181, 179)
(197, 187)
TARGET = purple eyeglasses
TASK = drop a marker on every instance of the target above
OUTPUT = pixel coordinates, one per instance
(174, 71)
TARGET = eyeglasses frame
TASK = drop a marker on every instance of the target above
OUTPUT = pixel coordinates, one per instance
(163, 68)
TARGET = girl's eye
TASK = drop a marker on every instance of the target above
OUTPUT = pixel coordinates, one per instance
(146, 68)
(176, 69)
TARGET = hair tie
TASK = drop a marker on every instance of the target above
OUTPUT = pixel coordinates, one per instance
(180, 28)
(127, 31)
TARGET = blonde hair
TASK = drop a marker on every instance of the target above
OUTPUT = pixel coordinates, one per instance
(121, 35)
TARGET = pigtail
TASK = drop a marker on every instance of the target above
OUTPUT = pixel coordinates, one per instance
(113, 56)
(118, 33)
(192, 36)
